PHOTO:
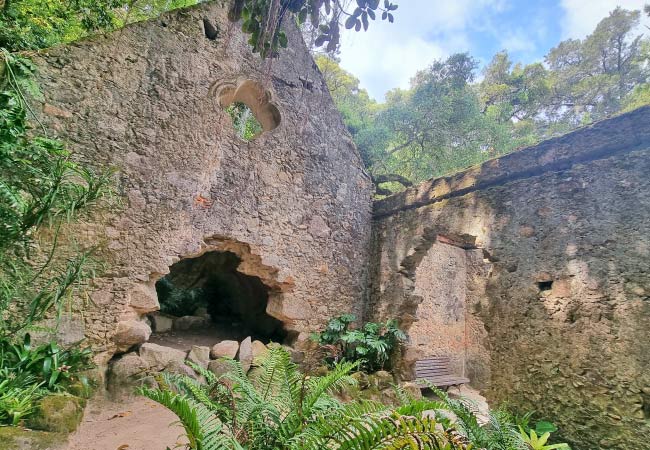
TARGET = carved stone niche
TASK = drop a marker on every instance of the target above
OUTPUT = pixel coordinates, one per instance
(252, 94)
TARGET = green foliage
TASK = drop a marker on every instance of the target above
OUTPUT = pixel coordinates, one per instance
(539, 443)
(371, 346)
(446, 122)
(40, 189)
(178, 301)
(502, 431)
(48, 364)
(245, 123)
(28, 373)
(17, 403)
(277, 407)
(35, 24)
(262, 20)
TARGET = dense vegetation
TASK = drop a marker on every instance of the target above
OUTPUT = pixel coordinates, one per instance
(448, 120)
(28, 373)
(41, 190)
(371, 346)
(276, 406)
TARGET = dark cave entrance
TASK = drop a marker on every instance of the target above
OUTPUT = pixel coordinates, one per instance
(232, 305)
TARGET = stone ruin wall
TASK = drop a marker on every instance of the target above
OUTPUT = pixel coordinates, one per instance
(533, 272)
(293, 204)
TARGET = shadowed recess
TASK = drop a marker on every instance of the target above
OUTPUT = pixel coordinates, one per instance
(211, 285)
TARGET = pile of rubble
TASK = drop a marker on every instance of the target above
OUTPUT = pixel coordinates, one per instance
(135, 367)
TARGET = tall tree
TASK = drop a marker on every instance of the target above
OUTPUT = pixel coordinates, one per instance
(591, 77)
(438, 125)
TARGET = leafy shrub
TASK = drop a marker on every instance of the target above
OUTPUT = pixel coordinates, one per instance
(245, 123)
(178, 301)
(28, 373)
(277, 407)
(372, 345)
(40, 187)
(503, 431)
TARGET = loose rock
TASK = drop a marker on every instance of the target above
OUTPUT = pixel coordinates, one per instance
(190, 322)
(246, 354)
(158, 357)
(199, 355)
(220, 366)
(130, 333)
(228, 349)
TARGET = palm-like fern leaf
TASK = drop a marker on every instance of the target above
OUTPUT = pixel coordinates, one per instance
(203, 429)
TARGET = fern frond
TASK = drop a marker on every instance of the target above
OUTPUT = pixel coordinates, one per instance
(393, 432)
(204, 431)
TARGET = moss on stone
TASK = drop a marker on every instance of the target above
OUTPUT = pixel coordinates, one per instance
(58, 413)
(15, 438)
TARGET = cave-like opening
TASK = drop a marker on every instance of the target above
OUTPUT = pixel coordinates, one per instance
(208, 296)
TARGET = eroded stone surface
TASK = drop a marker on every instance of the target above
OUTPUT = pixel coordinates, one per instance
(130, 333)
(556, 294)
(225, 348)
(245, 356)
(292, 201)
(158, 357)
(143, 298)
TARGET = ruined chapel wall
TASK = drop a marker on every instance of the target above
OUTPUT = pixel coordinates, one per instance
(572, 212)
(294, 203)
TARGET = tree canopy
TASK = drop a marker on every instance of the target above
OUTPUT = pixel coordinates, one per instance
(447, 120)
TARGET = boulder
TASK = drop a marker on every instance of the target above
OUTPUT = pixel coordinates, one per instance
(228, 349)
(57, 412)
(125, 373)
(162, 323)
(383, 380)
(181, 368)
(413, 389)
(246, 354)
(143, 298)
(199, 355)
(130, 333)
(158, 357)
(129, 367)
(258, 349)
(190, 323)
(220, 366)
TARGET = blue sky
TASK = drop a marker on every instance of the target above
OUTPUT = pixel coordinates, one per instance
(388, 55)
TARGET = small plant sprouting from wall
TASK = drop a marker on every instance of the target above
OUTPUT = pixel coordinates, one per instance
(246, 125)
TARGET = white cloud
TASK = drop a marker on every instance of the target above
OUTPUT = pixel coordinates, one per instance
(390, 54)
(582, 16)
(518, 41)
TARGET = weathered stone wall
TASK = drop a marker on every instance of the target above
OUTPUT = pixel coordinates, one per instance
(556, 283)
(294, 204)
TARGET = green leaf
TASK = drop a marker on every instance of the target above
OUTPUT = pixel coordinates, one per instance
(282, 39)
(543, 426)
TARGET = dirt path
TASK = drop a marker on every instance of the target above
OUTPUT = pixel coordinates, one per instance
(136, 424)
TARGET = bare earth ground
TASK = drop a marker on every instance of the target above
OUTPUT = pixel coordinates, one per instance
(134, 424)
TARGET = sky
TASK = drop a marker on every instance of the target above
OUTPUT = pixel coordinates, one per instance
(388, 55)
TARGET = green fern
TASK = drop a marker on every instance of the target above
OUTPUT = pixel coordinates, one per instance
(279, 408)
